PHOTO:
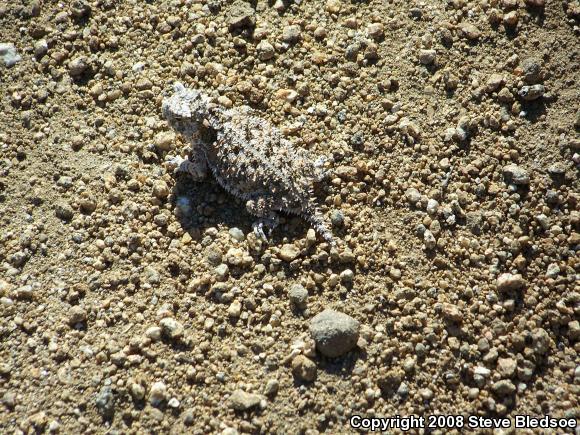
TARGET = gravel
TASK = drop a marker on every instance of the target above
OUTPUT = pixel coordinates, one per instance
(450, 136)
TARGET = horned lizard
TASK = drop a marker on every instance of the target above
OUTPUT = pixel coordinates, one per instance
(249, 158)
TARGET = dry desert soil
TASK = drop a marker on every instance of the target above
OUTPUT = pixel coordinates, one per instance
(134, 300)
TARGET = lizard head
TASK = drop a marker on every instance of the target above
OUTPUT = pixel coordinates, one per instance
(185, 109)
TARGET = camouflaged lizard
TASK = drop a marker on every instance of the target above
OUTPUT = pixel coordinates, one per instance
(248, 157)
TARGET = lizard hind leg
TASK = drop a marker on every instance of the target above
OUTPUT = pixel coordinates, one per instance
(196, 170)
(320, 172)
(267, 218)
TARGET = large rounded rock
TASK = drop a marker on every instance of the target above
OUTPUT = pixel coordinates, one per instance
(334, 333)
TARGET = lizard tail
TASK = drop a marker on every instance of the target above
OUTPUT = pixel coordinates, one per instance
(317, 221)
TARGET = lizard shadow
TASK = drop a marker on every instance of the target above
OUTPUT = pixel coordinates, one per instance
(199, 205)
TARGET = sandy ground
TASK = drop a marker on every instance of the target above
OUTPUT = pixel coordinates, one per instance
(133, 300)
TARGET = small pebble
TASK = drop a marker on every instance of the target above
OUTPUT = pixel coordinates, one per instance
(154, 333)
(265, 50)
(271, 387)
(173, 403)
(530, 93)
(511, 19)
(64, 212)
(289, 252)
(432, 206)
(347, 276)
(506, 367)
(304, 368)
(507, 282)
(171, 328)
(298, 296)
(157, 393)
(237, 234)
(494, 82)
(375, 30)
(9, 55)
(333, 6)
(76, 314)
(78, 66)
(516, 174)
(9, 399)
(291, 34)
(105, 402)
(503, 388)
(188, 417)
(452, 313)
(40, 49)
(165, 140)
(469, 31)
(413, 196)
(337, 218)
(235, 309)
(137, 391)
(242, 401)
(160, 189)
(241, 15)
(222, 271)
(540, 341)
(532, 70)
(427, 57)
(87, 205)
(553, 270)
(429, 239)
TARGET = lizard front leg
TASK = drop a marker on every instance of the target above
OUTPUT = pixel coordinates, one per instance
(195, 165)
(267, 217)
